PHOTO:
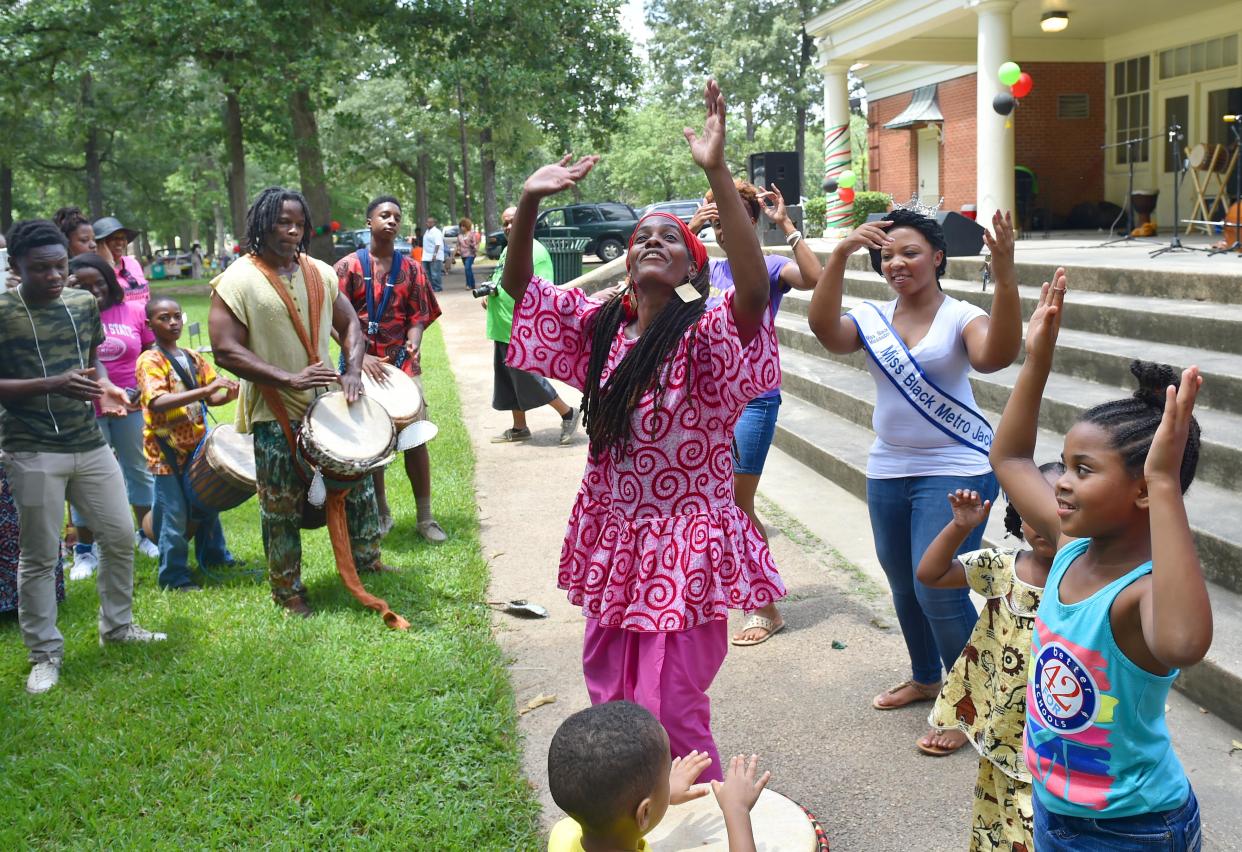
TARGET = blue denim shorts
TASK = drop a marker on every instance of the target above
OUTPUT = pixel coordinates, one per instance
(1178, 830)
(753, 434)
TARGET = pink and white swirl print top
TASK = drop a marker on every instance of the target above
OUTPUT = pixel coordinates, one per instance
(655, 541)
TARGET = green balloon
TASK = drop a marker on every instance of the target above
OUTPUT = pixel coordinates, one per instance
(846, 179)
(1009, 72)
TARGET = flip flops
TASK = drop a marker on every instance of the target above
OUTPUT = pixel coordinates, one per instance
(937, 751)
(925, 693)
(770, 626)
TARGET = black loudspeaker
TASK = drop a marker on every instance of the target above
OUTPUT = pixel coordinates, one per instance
(780, 168)
(963, 236)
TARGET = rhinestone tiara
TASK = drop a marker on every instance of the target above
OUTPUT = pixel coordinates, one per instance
(916, 206)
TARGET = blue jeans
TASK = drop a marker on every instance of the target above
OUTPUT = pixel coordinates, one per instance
(906, 514)
(435, 273)
(1178, 830)
(172, 516)
(467, 265)
(752, 436)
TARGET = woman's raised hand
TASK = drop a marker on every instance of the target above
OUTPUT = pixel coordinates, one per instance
(708, 148)
(1000, 246)
(1045, 323)
(773, 204)
(868, 235)
(558, 177)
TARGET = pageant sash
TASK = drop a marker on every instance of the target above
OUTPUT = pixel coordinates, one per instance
(951, 416)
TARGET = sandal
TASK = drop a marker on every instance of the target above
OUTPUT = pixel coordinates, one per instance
(925, 693)
(769, 625)
(938, 751)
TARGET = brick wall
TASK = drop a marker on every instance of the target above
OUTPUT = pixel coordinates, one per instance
(1064, 153)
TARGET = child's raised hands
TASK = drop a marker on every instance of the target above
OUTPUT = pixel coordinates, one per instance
(1164, 459)
(560, 176)
(740, 788)
(683, 774)
(1045, 323)
(968, 510)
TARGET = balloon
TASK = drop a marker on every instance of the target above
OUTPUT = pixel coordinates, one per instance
(1023, 86)
(846, 195)
(1004, 103)
(1009, 73)
(846, 179)
(830, 185)
(336, 226)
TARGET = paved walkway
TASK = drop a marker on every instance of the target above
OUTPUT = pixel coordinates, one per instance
(802, 704)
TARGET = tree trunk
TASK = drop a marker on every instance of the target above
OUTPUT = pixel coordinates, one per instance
(465, 154)
(310, 172)
(422, 207)
(215, 237)
(238, 202)
(749, 112)
(94, 180)
(6, 197)
(491, 217)
(452, 190)
(804, 62)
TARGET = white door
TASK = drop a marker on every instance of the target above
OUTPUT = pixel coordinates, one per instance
(929, 165)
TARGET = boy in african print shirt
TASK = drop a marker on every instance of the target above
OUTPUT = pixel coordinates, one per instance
(174, 423)
(984, 696)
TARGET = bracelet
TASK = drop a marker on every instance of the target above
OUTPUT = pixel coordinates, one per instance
(792, 239)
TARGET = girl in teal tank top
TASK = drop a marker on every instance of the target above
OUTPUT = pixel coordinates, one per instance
(1124, 608)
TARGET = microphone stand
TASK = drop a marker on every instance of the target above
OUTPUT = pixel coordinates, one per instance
(1236, 245)
(1179, 165)
(1129, 146)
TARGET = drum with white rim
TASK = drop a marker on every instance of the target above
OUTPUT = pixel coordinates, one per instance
(345, 441)
(399, 395)
(221, 472)
(779, 825)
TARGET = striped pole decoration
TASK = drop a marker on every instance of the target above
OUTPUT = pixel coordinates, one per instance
(836, 161)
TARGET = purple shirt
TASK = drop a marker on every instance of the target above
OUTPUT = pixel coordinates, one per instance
(722, 282)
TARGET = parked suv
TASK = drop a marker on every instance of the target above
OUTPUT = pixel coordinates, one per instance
(608, 226)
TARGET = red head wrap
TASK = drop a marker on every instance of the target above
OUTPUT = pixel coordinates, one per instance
(698, 252)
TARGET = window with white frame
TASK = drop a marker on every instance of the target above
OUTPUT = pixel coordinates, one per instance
(1132, 108)
(1205, 56)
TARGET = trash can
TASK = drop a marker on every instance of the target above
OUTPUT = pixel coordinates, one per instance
(158, 272)
(566, 257)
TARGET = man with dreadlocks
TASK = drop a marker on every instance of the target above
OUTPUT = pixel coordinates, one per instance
(269, 292)
(657, 550)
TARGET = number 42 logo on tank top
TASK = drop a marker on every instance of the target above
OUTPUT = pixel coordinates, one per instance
(1066, 696)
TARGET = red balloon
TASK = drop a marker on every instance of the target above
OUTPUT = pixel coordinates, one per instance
(846, 195)
(236, 249)
(1023, 87)
(336, 226)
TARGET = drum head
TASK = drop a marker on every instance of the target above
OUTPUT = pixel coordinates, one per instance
(400, 396)
(360, 432)
(779, 826)
(229, 451)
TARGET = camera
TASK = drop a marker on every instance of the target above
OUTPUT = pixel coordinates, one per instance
(482, 290)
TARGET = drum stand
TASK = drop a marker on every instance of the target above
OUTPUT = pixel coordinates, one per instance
(1236, 245)
(1127, 238)
(1179, 166)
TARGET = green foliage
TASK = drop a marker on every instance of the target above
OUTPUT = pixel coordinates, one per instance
(814, 214)
(250, 729)
(866, 203)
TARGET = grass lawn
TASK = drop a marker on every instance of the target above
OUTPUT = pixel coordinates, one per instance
(250, 729)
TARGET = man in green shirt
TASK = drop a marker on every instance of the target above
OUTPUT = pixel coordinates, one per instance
(513, 390)
(49, 377)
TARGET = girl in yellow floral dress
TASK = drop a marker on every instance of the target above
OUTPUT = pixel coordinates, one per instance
(984, 695)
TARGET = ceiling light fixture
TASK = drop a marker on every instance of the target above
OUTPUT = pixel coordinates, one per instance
(1054, 22)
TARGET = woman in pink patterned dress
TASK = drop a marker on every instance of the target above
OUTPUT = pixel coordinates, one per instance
(657, 551)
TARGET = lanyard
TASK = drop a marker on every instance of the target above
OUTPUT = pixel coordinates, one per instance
(373, 315)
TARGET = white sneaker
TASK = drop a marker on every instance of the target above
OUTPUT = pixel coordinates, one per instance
(84, 565)
(133, 634)
(43, 676)
(145, 546)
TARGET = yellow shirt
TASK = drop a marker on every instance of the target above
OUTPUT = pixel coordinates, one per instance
(272, 336)
(566, 836)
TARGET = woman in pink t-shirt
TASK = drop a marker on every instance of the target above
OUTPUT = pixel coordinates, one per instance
(126, 335)
(657, 551)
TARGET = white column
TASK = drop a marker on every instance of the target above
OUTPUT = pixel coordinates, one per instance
(994, 180)
(836, 141)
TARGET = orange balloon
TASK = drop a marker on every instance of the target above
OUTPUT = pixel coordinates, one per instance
(846, 195)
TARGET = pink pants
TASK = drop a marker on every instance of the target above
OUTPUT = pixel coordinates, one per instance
(668, 673)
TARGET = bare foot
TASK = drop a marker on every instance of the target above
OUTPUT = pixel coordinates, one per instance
(940, 743)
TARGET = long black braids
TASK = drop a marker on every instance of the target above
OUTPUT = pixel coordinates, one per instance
(1132, 422)
(263, 215)
(606, 410)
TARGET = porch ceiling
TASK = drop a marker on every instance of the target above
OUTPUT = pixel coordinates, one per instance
(943, 31)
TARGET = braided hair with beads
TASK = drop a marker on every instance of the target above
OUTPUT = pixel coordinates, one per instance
(1132, 422)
